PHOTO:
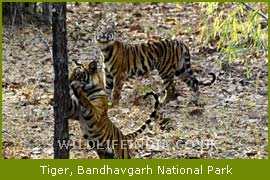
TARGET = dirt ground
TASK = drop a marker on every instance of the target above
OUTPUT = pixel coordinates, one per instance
(232, 122)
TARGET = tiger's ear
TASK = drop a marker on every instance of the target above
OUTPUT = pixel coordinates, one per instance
(109, 21)
(92, 67)
(113, 24)
(77, 63)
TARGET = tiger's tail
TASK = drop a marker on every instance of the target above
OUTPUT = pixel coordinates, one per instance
(209, 83)
(147, 122)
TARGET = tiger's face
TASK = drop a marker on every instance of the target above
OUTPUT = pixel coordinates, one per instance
(86, 75)
(105, 34)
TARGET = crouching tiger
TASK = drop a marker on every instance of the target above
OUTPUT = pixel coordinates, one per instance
(89, 105)
(170, 57)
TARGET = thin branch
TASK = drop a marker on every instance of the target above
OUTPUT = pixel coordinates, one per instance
(14, 10)
(251, 8)
(41, 36)
(20, 11)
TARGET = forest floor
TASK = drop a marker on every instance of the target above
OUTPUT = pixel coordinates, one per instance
(231, 123)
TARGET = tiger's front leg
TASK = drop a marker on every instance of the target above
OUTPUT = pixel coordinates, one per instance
(74, 108)
(82, 98)
(116, 92)
(109, 86)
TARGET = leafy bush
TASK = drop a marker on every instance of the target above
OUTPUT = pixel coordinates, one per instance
(234, 30)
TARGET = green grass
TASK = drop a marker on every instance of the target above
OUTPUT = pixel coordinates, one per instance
(234, 32)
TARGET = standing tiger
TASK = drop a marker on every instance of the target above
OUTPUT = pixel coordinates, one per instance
(170, 57)
(89, 105)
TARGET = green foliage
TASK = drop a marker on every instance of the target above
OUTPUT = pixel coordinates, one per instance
(248, 71)
(209, 7)
(233, 33)
(142, 89)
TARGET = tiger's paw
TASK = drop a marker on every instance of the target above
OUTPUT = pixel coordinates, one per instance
(170, 97)
(76, 86)
(197, 103)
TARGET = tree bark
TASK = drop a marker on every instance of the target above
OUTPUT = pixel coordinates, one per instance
(61, 90)
(46, 12)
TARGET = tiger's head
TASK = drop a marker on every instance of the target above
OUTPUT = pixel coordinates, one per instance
(87, 75)
(105, 33)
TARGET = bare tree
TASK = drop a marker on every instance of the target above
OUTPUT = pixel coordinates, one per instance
(61, 90)
(20, 13)
(46, 12)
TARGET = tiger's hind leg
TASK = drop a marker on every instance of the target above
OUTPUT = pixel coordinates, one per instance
(119, 151)
(189, 78)
(194, 84)
(171, 94)
(170, 87)
(116, 92)
(104, 154)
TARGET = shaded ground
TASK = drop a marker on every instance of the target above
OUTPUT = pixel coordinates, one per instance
(231, 123)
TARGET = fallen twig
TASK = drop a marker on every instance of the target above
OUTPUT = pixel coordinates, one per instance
(251, 8)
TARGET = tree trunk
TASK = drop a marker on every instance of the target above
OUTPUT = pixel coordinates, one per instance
(61, 90)
(46, 12)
